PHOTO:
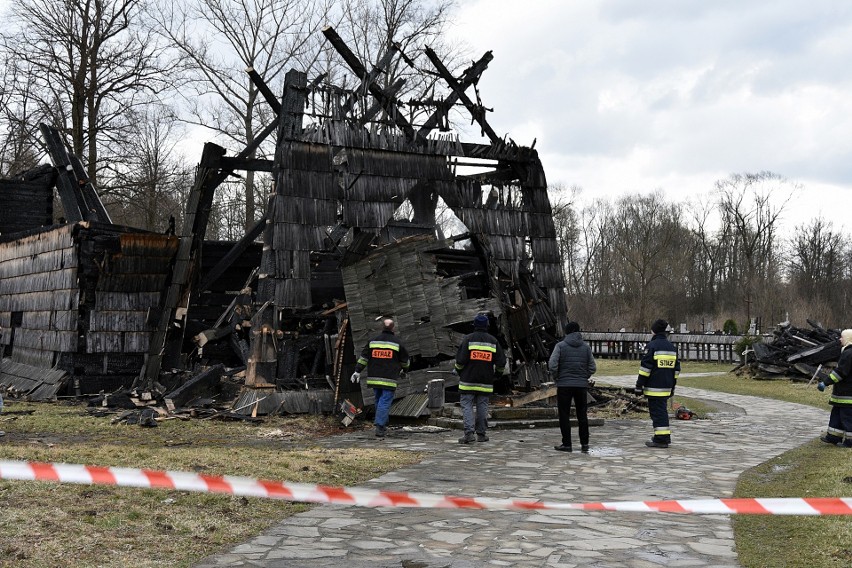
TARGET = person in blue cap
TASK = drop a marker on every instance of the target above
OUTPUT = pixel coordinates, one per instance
(480, 359)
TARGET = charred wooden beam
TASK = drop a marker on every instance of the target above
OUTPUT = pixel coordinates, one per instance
(238, 249)
(168, 337)
(69, 186)
(73, 176)
(388, 102)
(371, 113)
(469, 77)
(264, 89)
(246, 164)
(370, 77)
(202, 384)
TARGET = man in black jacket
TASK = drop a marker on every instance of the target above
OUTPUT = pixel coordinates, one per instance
(658, 374)
(385, 358)
(479, 360)
(840, 421)
(573, 364)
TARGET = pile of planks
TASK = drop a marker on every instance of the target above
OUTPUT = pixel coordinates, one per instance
(794, 352)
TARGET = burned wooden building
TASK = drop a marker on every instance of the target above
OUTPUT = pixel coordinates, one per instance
(349, 236)
(75, 297)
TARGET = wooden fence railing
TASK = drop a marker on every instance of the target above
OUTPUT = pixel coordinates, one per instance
(690, 347)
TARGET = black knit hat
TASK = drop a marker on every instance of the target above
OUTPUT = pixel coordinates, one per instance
(659, 326)
(480, 321)
(571, 327)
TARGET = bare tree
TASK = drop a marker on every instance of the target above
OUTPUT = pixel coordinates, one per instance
(563, 207)
(150, 184)
(89, 64)
(643, 232)
(220, 40)
(751, 206)
(817, 261)
(19, 150)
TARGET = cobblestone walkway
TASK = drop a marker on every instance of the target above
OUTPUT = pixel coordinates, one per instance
(703, 462)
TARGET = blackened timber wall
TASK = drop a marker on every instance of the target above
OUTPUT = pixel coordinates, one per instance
(27, 200)
(78, 297)
(317, 180)
(39, 296)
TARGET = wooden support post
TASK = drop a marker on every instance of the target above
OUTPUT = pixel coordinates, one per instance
(263, 360)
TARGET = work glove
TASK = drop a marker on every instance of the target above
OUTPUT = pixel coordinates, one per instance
(356, 377)
(455, 371)
(821, 386)
(403, 375)
(591, 382)
(638, 391)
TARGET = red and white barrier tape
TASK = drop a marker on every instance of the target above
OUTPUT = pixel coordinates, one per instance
(302, 492)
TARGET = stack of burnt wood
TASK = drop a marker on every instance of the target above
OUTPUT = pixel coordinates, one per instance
(612, 400)
(794, 352)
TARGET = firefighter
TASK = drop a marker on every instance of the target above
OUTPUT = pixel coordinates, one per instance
(385, 359)
(658, 374)
(840, 420)
(479, 360)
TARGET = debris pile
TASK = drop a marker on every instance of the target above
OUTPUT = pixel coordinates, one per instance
(794, 352)
(607, 400)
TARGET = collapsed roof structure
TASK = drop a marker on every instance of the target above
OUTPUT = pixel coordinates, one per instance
(337, 255)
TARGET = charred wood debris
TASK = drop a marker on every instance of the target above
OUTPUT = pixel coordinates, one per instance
(795, 353)
(272, 323)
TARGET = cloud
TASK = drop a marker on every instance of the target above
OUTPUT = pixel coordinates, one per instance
(673, 94)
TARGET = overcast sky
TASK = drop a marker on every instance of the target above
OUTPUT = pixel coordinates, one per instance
(627, 96)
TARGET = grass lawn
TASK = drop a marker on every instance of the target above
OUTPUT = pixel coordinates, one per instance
(48, 524)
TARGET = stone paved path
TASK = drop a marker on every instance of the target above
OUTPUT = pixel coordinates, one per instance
(704, 461)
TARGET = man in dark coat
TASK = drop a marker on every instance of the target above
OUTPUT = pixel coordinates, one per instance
(573, 365)
(658, 374)
(840, 421)
(385, 358)
(479, 360)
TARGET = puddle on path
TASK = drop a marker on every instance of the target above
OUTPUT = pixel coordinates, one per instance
(605, 451)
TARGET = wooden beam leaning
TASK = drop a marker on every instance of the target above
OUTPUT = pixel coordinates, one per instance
(73, 202)
(236, 251)
(73, 177)
(162, 345)
(93, 200)
(376, 107)
(264, 89)
(476, 111)
(383, 97)
(369, 78)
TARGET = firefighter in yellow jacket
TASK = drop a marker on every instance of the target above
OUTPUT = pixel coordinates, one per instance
(480, 359)
(658, 374)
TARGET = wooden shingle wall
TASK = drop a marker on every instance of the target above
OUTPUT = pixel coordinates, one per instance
(77, 298)
(39, 296)
(27, 200)
(400, 280)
